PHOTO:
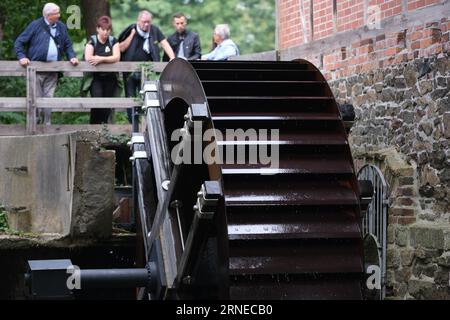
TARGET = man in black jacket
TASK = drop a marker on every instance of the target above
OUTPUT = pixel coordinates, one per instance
(190, 48)
(140, 42)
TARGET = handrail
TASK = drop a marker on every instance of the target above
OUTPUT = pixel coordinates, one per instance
(13, 68)
(30, 103)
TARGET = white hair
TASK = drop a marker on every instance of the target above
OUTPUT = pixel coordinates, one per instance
(49, 8)
(222, 30)
(141, 13)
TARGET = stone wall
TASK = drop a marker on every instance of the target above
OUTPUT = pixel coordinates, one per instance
(93, 187)
(403, 125)
(397, 75)
(58, 184)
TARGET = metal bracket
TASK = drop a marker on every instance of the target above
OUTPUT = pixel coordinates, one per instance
(207, 204)
(149, 86)
(139, 155)
(150, 92)
(150, 103)
(136, 139)
(207, 199)
(196, 112)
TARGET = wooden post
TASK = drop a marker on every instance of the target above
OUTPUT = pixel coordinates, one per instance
(143, 79)
(31, 100)
(135, 122)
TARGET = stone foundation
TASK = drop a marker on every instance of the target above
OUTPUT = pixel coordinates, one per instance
(58, 184)
(403, 126)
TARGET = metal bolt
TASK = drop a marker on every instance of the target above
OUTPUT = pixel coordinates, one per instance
(187, 280)
(132, 159)
(176, 204)
(195, 208)
(186, 117)
(199, 194)
(165, 184)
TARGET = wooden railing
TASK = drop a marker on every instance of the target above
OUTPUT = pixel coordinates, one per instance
(30, 103)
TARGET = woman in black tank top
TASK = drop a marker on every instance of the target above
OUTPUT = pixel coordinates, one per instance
(102, 48)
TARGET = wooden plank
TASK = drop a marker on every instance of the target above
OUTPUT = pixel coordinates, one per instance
(13, 73)
(261, 56)
(13, 104)
(31, 100)
(65, 66)
(83, 110)
(67, 104)
(79, 110)
(20, 130)
(13, 68)
(70, 74)
(8, 68)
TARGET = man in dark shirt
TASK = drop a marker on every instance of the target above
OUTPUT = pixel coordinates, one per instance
(45, 39)
(139, 42)
(185, 43)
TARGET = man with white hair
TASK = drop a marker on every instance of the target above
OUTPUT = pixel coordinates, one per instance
(45, 39)
(225, 46)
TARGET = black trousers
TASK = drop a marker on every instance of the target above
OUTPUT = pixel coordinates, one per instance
(102, 87)
(132, 88)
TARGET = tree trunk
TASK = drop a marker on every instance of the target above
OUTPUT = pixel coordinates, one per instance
(91, 11)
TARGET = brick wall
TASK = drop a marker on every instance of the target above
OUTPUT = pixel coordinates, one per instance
(385, 50)
(331, 17)
(323, 18)
(349, 15)
(289, 22)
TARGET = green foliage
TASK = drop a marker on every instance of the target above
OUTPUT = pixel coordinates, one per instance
(12, 118)
(12, 87)
(4, 225)
(3, 221)
(69, 87)
(120, 118)
(252, 22)
(13, 25)
(114, 138)
(19, 13)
